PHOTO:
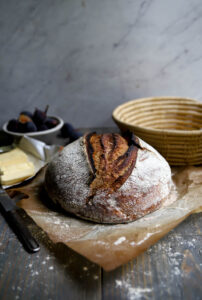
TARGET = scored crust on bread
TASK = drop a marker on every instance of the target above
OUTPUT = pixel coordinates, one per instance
(108, 178)
(111, 158)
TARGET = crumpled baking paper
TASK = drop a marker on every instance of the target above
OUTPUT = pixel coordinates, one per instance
(113, 245)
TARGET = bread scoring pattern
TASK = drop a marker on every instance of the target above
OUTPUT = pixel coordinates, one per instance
(112, 158)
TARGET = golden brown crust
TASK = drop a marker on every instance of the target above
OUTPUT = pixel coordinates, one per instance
(112, 159)
(89, 187)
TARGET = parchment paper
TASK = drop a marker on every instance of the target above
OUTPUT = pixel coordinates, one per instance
(112, 245)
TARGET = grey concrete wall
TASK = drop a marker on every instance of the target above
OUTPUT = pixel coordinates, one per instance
(85, 57)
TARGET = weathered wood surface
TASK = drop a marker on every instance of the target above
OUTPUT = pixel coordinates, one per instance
(171, 269)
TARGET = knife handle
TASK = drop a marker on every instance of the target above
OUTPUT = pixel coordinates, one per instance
(22, 231)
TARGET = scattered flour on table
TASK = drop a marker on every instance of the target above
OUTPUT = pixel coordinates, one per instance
(170, 250)
(34, 273)
(174, 257)
(132, 292)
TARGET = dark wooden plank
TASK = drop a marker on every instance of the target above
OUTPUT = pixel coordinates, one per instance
(170, 269)
(53, 273)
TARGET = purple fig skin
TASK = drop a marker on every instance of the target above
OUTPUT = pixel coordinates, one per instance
(51, 123)
(68, 131)
(39, 116)
(42, 127)
(13, 125)
(27, 113)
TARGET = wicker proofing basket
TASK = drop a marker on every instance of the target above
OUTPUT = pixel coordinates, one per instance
(172, 125)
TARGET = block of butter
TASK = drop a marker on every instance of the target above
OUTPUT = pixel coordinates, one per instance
(15, 166)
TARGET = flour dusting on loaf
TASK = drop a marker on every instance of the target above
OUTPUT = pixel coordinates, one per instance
(122, 180)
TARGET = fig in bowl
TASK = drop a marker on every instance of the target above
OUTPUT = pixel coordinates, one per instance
(37, 124)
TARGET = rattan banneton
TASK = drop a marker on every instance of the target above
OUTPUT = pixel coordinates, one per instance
(172, 125)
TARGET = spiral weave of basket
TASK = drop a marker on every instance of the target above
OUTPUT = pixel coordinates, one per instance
(172, 125)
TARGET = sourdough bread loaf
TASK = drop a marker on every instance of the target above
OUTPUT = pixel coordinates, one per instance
(108, 178)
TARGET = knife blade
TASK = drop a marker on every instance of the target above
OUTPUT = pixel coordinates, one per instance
(11, 213)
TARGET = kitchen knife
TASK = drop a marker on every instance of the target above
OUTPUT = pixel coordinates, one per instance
(14, 219)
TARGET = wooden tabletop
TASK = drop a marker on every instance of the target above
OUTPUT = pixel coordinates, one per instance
(171, 269)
